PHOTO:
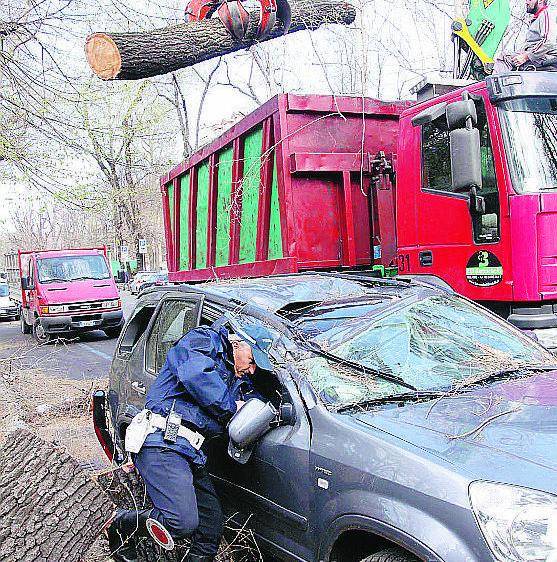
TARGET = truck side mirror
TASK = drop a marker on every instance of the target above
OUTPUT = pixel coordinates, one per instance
(25, 283)
(466, 168)
(461, 114)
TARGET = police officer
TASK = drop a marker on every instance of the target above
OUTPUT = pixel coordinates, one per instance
(204, 381)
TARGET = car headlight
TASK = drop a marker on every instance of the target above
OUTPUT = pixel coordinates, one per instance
(518, 524)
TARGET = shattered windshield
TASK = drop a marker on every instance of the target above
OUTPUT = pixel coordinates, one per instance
(432, 343)
(530, 131)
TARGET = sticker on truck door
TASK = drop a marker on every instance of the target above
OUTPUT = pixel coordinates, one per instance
(484, 269)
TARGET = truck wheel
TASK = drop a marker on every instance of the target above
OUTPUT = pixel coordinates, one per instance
(25, 328)
(41, 335)
(394, 554)
(113, 332)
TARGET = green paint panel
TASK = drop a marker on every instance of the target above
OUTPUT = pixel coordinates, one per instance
(275, 232)
(184, 221)
(202, 216)
(223, 207)
(250, 195)
(171, 207)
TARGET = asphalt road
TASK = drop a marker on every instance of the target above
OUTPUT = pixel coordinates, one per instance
(87, 358)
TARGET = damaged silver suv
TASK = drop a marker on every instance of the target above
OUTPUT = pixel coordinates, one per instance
(413, 424)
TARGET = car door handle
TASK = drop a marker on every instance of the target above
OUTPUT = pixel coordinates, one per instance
(139, 387)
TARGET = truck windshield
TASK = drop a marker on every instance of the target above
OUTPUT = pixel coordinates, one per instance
(434, 344)
(72, 268)
(530, 133)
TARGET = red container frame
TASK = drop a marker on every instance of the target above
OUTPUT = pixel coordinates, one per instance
(303, 132)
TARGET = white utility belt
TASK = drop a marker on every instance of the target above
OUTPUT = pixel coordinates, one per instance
(146, 422)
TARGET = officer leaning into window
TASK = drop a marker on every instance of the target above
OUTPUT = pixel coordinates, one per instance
(204, 381)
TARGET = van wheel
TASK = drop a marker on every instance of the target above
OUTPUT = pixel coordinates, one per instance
(25, 328)
(41, 335)
(394, 554)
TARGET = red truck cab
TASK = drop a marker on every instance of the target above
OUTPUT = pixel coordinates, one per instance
(495, 243)
(65, 292)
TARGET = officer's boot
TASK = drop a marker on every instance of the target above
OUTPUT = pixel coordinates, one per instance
(123, 531)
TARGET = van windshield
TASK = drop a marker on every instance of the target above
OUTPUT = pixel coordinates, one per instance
(530, 132)
(72, 268)
(433, 344)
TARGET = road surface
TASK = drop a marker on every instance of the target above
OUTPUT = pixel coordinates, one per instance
(88, 358)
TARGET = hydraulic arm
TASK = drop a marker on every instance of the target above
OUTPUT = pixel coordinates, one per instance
(478, 37)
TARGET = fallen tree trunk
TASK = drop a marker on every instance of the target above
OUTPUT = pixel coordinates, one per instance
(132, 56)
(50, 508)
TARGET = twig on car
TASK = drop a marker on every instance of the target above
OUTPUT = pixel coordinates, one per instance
(482, 426)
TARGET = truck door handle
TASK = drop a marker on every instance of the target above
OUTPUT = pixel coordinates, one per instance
(426, 258)
(139, 387)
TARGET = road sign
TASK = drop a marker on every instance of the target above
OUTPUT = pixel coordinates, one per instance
(124, 253)
(142, 246)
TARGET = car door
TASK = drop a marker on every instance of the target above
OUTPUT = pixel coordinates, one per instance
(155, 326)
(273, 488)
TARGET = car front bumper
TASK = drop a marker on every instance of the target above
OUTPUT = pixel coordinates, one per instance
(82, 322)
(9, 312)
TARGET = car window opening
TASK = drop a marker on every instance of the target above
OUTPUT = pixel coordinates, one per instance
(136, 327)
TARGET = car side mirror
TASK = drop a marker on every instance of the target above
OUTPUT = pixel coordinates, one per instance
(250, 423)
(466, 168)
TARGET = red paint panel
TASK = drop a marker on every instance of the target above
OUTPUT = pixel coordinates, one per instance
(167, 229)
(256, 269)
(236, 199)
(177, 199)
(193, 216)
(212, 212)
(328, 162)
(349, 234)
(317, 201)
(265, 186)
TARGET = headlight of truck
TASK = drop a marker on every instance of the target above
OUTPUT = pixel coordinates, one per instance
(55, 309)
(111, 304)
(518, 524)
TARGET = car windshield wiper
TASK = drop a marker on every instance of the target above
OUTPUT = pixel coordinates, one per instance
(416, 396)
(312, 346)
(518, 372)
(54, 280)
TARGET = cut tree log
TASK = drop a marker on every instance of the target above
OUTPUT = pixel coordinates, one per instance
(132, 56)
(50, 508)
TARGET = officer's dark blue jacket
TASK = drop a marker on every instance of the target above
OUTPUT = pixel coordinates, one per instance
(199, 375)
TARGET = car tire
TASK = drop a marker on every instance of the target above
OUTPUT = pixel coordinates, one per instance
(113, 332)
(394, 554)
(25, 328)
(41, 336)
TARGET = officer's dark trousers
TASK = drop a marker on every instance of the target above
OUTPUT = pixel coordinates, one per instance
(184, 497)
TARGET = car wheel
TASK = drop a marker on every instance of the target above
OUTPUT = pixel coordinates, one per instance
(40, 334)
(25, 328)
(113, 332)
(394, 554)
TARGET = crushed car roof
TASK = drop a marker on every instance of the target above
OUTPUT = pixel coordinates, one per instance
(277, 292)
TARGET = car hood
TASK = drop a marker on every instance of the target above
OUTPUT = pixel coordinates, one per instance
(79, 291)
(503, 431)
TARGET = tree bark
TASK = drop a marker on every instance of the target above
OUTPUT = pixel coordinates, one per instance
(132, 56)
(50, 508)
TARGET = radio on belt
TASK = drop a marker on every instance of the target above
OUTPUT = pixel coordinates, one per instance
(173, 423)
